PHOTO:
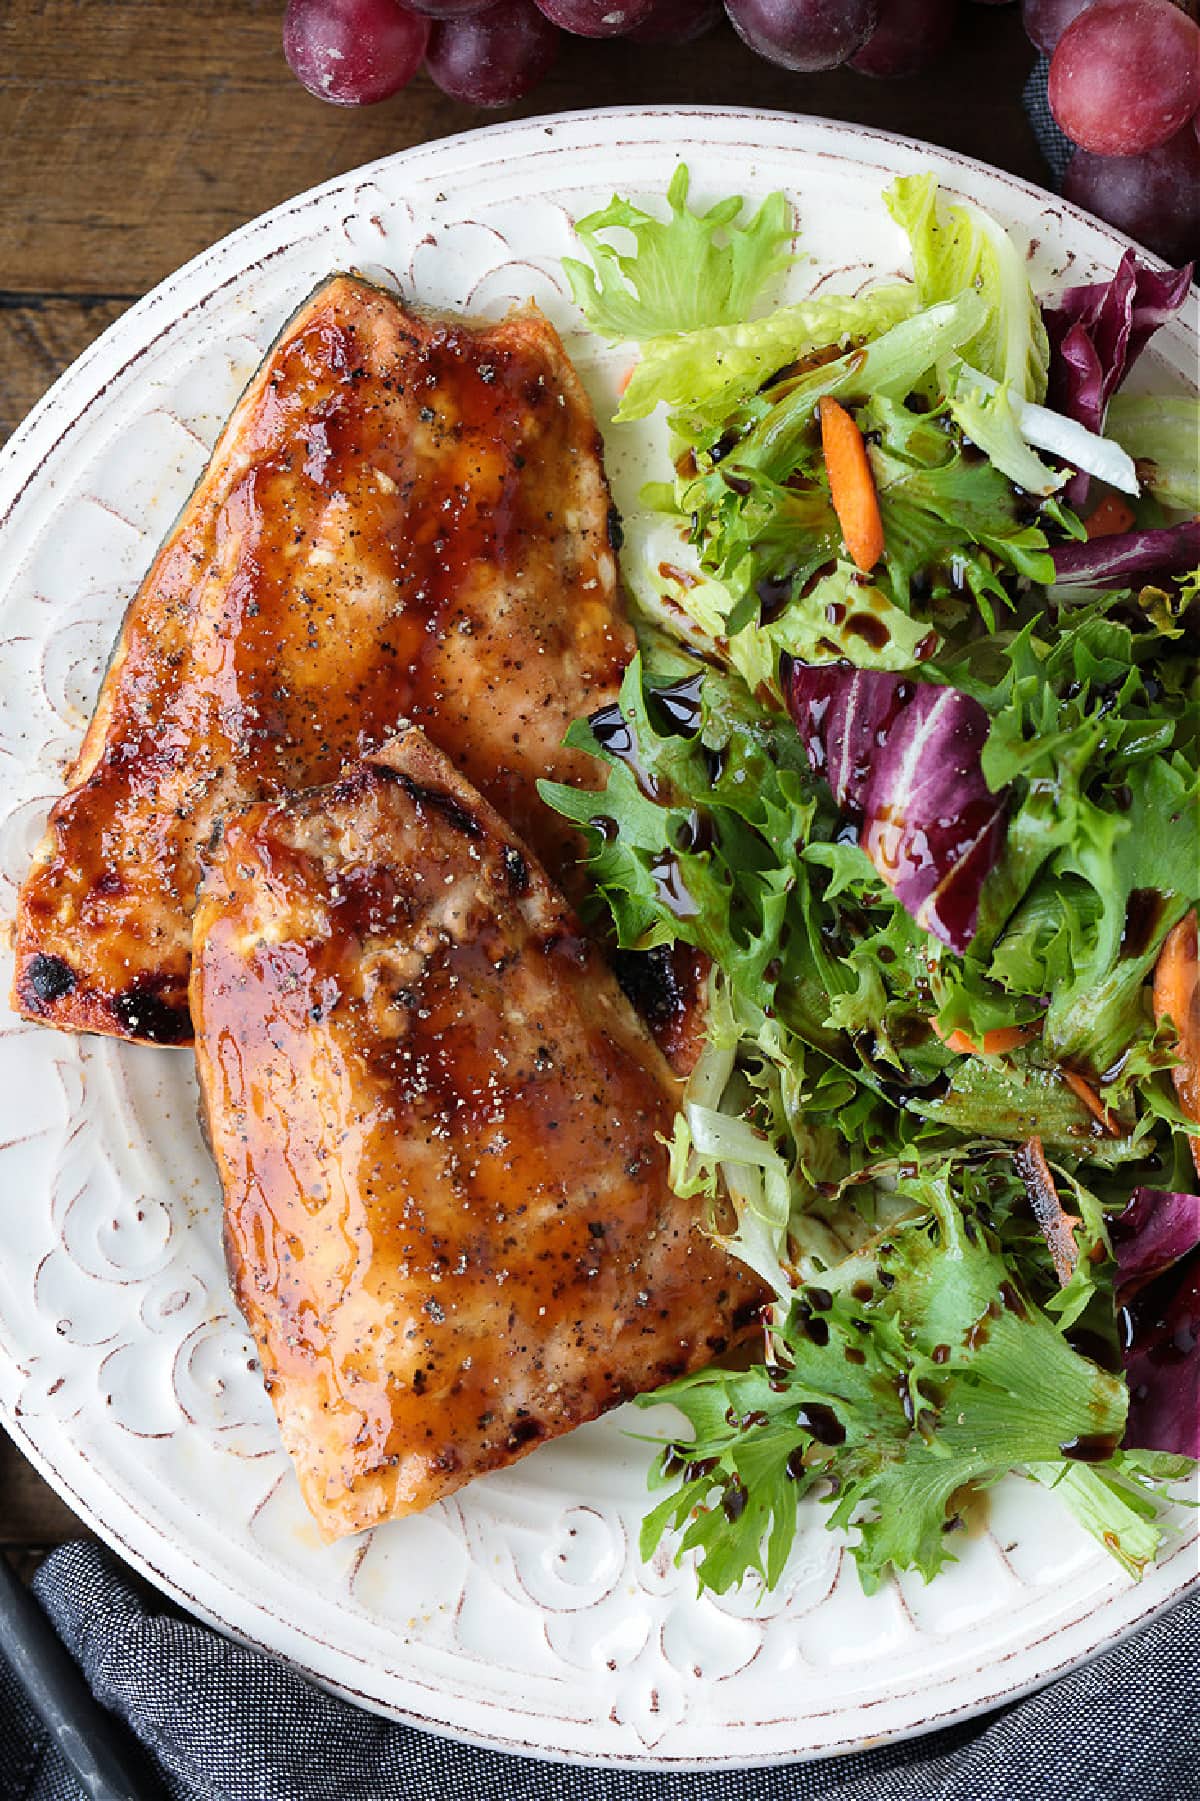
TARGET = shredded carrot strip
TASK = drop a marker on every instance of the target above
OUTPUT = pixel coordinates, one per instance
(1080, 1086)
(1177, 998)
(996, 1043)
(851, 484)
(1109, 518)
(624, 381)
(1006, 1038)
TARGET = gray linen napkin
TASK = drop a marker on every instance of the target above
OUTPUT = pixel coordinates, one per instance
(225, 1724)
(1054, 144)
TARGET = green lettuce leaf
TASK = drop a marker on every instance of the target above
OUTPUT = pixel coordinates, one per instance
(988, 420)
(714, 368)
(1143, 865)
(957, 249)
(1102, 854)
(842, 616)
(822, 608)
(1120, 1504)
(1014, 1100)
(711, 840)
(889, 365)
(1161, 432)
(950, 516)
(758, 515)
(689, 271)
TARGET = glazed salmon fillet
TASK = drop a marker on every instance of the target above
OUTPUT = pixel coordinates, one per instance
(437, 1122)
(405, 518)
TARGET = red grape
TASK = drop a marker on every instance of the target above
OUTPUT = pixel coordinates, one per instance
(1046, 20)
(596, 18)
(804, 34)
(447, 9)
(1125, 75)
(678, 21)
(353, 52)
(495, 56)
(1154, 197)
(909, 36)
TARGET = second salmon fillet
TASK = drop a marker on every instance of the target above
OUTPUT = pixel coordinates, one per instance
(440, 1127)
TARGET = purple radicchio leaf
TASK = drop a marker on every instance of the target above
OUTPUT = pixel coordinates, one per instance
(903, 760)
(1129, 559)
(1156, 1241)
(1096, 335)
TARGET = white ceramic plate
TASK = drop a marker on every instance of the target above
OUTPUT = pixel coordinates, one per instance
(518, 1613)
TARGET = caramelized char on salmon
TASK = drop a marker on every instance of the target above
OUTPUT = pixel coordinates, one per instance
(438, 1126)
(404, 518)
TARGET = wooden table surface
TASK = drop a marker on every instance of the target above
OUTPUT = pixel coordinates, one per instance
(133, 133)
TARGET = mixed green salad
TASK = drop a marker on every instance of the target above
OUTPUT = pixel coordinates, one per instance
(909, 765)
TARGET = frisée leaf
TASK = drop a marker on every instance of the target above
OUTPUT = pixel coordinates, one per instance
(902, 1381)
(691, 270)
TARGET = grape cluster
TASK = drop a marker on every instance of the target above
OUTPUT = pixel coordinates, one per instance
(1125, 87)
(491, 52)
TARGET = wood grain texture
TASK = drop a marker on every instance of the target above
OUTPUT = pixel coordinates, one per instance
(39, 338)
(31, 1514)
(134, 133)
(24, 1559)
